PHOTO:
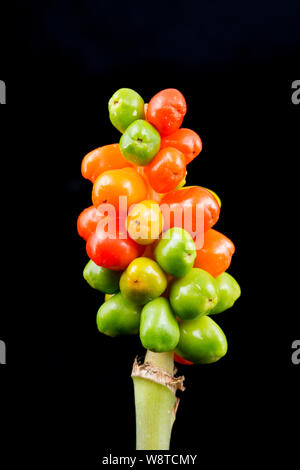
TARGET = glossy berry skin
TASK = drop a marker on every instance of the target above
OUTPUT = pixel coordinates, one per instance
(148, 253)
(112, 184)
(111, 251)
(190, 197)
(228, 292)
(211, 192)
(166, 170)
(151, 194)
(201, 341)
(145, 222)
(182, 182)
(118, 316)
(140, 143)
(102, 279)
(108, 157)
(159, 330)
(182, 361)
(166, 110)
(215, 195)
(216, 253)
(108, 296)
(175, 252)
(125, 106)
(194, 294)
(185, 140)
(142, 281)
(87, 221)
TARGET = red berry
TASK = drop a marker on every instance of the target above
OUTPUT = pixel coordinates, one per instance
(166, 110)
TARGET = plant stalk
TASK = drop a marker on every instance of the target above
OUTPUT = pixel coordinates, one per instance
(155, 400)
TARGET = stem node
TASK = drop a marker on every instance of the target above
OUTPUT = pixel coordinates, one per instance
(156, 403)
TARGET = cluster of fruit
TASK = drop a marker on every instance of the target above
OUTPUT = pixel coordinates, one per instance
(156, 280)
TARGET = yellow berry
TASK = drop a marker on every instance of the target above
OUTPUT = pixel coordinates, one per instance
(145, 222)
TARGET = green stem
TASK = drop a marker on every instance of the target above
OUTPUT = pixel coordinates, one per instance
(154, 404)
(163, 360)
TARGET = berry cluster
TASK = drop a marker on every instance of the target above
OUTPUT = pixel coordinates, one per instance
(142, 233)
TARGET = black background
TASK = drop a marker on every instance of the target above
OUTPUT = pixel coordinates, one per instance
(71, 390)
